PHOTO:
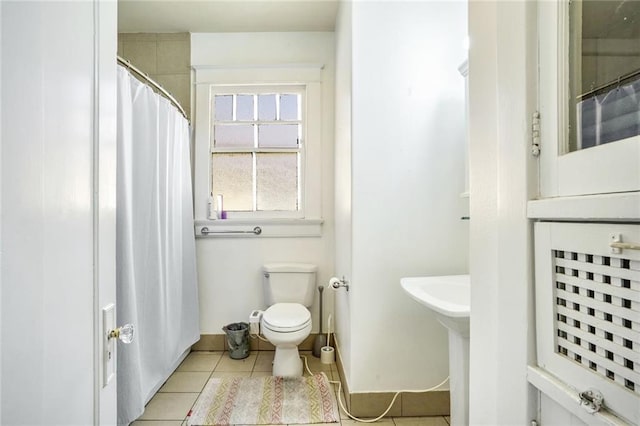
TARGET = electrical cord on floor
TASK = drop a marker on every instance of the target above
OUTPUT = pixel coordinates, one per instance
(306, 365)
(253, 336)
(341, 404)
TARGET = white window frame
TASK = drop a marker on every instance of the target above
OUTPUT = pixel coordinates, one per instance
(307, 220)
(259, 89)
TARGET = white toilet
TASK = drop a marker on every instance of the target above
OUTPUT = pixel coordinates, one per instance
(288, 289)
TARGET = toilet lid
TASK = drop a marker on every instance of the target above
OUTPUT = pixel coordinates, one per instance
(286, 317)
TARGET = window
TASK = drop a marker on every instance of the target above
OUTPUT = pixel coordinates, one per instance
(258, 143)
(257, 149)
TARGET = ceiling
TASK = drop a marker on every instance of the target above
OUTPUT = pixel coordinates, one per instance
(162, 16)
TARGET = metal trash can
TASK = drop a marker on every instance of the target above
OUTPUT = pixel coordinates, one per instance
(237, 339)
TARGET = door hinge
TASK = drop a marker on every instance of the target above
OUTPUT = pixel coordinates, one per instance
(535, 134)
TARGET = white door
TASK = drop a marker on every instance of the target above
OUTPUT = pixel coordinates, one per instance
(589, 56)
(104, 213)
(58, 210)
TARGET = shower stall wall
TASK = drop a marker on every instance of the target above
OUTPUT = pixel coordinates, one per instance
(156, 266)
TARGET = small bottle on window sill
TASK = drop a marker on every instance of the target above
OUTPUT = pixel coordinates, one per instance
(211, 211)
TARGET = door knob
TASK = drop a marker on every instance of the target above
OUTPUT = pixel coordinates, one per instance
(124, 333)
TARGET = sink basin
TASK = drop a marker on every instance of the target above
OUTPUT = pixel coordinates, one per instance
(447, 296)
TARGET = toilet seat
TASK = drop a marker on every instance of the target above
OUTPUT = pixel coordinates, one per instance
(286, 317)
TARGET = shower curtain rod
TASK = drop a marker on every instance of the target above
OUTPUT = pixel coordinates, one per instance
(608, 86)
(151, 82)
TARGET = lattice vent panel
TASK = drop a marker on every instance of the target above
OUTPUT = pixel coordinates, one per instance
(597, 311)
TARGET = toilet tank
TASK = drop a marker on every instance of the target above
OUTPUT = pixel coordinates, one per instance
(289, 282)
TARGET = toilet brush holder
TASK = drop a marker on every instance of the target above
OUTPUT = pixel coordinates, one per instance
(321, 339)
(327, 355)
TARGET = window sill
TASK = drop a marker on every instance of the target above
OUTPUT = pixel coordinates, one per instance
(269, 228)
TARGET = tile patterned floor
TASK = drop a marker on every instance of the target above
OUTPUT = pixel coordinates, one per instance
(169, 407)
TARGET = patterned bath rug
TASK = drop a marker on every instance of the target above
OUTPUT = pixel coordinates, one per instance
(265, 400)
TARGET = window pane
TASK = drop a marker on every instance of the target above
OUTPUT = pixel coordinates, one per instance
(244, 107)
(233, 136)
(277, 184)
(232, 176)
(278, 135)
(267, 107)
(224, 107)
(604, 68)
(289, 107)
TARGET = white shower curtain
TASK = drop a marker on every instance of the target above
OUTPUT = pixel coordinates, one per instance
(156, 266)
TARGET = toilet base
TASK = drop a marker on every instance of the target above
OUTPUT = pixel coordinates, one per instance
(287, 362)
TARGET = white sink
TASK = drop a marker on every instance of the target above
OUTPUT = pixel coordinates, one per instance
(448, 297)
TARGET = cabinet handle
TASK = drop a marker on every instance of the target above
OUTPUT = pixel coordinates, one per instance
(625, 246)
(617, 245)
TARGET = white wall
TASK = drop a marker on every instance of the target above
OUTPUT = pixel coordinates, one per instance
(229, 269)
(1, 213)
(343, 226)
(47, 58)
(407, 171)
(503, 177)
(483, 209)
